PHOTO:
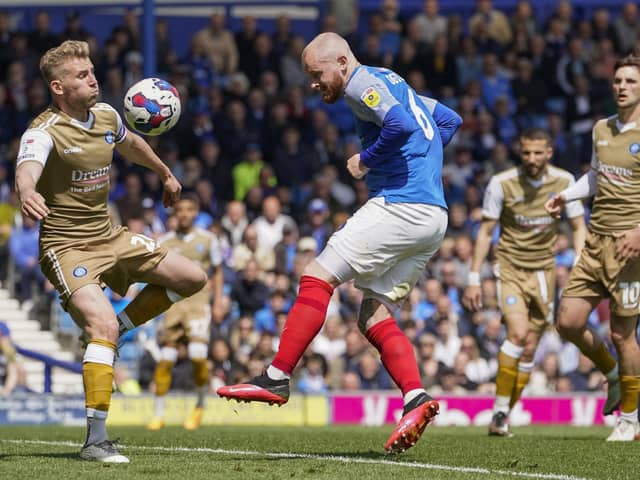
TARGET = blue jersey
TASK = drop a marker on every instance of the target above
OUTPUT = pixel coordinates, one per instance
(402, 136)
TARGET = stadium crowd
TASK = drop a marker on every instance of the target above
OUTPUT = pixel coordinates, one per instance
(266, 159)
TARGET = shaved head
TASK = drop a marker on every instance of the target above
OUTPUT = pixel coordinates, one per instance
(329, 61)
(327, 46)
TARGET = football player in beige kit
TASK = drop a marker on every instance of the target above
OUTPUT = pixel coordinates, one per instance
(62, 179)
(609, 266)
(525, 263)
(190, 320)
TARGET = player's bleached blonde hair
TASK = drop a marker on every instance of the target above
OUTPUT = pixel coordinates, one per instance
(54, 57)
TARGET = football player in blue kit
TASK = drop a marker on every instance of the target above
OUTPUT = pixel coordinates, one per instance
(386, 244)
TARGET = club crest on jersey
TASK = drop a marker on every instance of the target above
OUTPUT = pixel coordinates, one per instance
(109, 137)
(634, 148)
(511, 300)
(200, 248)
(371, 97)
(79, 271)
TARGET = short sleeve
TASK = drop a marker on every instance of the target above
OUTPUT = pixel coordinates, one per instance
(493, 198)
(121, 129)
(35, 145)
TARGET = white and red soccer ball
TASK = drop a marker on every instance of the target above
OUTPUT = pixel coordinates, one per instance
(152, 106)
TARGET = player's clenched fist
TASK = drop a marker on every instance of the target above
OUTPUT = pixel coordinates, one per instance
(33, 205)
(171, 193)
(554, 206)
(356, 168)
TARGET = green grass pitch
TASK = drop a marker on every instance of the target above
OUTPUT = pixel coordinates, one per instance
(343, 453)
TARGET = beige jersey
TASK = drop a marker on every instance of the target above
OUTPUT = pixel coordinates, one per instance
(198, 245)
(616, 159)
(527, 231)
(76, 157)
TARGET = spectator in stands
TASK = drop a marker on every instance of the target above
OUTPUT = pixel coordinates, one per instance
(627, 27)
(493, 21)
(235, 221)
(218, 44)
(41, 38)
(372, 375)
(23, 247)
(270, 224)
(429, 22)
(8, 364)
(313, 376)
(248, 290)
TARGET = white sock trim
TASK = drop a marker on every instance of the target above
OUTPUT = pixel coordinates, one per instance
(99, 414)
(173, 296)
(631, 417)
(525, 367)
(197, 350)
(501, 404)
(96, 353)
(411, 394)
(169, 354)
(511, 349)
(276, 374)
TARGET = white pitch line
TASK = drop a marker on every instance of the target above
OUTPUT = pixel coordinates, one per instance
(309, 456)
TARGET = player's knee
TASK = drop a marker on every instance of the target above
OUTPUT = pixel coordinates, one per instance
(192, 285)
(102, 325)
(518, 337)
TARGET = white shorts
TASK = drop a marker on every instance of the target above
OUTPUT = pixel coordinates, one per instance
(385, 247)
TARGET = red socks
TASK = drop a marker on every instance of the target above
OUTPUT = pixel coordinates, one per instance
(304, 321)
(396, 353)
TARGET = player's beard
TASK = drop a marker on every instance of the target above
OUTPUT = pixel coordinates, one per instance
(333, 90)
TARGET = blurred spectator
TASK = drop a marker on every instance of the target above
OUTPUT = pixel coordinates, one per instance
(8, 363)
(23, 247)
(429, 22)
(493, 21)
(248, 290)
(627, 27)
(270, 224)
(235, 221)
(372, 375)
(313, 376)
(218, 44)
(246, 174)
(250, 250)
(41, 38)
(447, 343)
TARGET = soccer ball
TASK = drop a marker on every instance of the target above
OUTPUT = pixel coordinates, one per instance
(152, 106)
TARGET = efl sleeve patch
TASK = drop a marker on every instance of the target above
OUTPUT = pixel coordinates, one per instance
(370, 97)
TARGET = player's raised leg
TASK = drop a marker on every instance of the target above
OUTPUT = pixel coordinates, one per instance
(90, 309)
(571, 323)
(172, 279)
(623, 334)
(305, 319)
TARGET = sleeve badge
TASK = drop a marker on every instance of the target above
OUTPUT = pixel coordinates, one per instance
(370, 97)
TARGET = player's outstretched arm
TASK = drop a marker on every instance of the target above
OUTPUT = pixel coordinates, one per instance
(32, 204)
(137, 151)
(585, 187)
(472, 298)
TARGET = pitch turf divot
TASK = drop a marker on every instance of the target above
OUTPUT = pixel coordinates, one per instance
(308, 456)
